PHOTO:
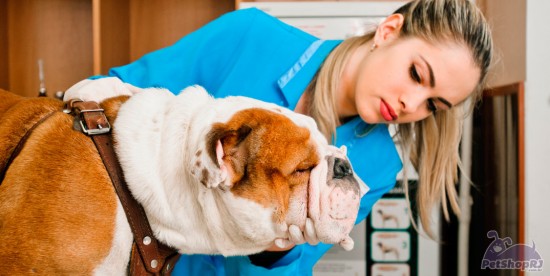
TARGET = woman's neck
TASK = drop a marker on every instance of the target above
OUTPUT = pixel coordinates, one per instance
(346, 105)
(302, 106)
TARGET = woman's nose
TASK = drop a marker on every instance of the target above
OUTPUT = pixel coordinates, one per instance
(412, 101)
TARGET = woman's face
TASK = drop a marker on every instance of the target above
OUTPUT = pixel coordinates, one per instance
(406, 80)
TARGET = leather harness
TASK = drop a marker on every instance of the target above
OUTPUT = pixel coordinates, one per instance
(148, 256)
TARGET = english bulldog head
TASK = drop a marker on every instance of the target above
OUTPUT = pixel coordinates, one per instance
(229, 176)
(278, 161)
(261, 155)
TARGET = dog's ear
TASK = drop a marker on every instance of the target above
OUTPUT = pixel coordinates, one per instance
(217, 160)
(235, 155)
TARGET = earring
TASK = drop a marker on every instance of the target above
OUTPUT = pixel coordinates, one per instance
(374, 46)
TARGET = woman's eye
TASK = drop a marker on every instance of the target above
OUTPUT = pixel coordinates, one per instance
(414, 74)
(431, 105)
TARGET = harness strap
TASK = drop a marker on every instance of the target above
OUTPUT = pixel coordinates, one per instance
(151, 257)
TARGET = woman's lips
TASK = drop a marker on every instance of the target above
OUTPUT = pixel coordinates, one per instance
(387, 112)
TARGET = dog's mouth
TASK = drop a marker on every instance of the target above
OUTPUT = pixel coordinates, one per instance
(333, 198)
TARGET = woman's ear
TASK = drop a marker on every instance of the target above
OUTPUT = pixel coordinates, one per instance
(389, 29)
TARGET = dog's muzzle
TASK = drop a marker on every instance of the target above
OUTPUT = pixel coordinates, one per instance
(333, 199)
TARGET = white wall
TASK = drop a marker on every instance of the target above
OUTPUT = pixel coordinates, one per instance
(537, 130)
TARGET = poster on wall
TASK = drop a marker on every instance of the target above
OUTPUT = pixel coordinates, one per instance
(392, 241)
(329, 19)
(386, 243)
(338, 262)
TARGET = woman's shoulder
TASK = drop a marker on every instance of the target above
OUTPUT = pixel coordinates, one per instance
(256, 19)
(249, 14)
(243, 15)
(244, 18)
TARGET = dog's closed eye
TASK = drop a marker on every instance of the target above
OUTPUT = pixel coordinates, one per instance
(300, 175)
(301, 171)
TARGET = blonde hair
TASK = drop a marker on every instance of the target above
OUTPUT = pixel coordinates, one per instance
(431, 144)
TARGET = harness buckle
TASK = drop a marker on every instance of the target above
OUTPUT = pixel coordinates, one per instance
(94, 124)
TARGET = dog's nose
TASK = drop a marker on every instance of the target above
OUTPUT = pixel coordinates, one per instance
(342, 168)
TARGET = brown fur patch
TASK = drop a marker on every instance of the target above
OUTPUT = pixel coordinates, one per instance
(204, 176)
(112, 105)
(57, 204)
(270, 161)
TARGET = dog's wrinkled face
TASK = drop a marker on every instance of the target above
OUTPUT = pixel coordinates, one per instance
(266, 156)
(280, 162)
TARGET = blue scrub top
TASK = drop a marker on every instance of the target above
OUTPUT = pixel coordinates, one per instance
(250, 53)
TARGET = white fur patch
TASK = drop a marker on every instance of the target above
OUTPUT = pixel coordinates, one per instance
(158, 136)
(116, 262)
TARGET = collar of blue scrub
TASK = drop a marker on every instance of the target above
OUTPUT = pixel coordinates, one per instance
(296, 79)
(294, 82)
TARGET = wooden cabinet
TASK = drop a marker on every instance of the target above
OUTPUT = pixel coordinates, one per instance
(79, 38)
(3, 44)
(56, 31)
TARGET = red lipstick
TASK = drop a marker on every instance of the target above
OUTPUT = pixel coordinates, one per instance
(387, 112)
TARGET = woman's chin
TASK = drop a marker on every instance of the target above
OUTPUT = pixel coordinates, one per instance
(370, 119)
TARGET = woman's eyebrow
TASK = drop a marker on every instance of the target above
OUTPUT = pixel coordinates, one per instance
(432, 82)
(432, 78)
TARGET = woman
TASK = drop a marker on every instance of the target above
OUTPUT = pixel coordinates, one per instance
(416, 70)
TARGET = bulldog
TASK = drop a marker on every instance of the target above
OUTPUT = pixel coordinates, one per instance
(214, 176)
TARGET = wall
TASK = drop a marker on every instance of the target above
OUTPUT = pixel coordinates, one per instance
(507, 19)
(537, 129)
